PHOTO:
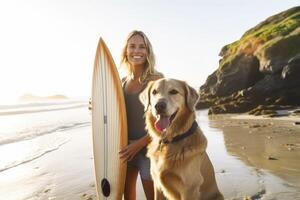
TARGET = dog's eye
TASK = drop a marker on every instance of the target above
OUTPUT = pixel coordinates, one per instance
(154, 92)
(173, 92)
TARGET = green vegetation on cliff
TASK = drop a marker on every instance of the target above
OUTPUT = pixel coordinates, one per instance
(283, 26)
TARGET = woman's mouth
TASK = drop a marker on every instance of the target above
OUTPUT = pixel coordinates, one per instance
(137, 57)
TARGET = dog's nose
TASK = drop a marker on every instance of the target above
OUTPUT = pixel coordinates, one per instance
(161, 106)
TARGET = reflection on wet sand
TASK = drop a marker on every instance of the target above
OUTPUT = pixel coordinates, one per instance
(242, 170)
(270, 144)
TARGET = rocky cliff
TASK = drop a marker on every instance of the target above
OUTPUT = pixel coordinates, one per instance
(262, 69)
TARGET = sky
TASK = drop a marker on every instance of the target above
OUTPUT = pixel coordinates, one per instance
(47, 47)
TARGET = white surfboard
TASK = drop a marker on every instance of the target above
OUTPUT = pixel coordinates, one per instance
(109, 126)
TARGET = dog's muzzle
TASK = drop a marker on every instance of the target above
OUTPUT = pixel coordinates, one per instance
(163, 118)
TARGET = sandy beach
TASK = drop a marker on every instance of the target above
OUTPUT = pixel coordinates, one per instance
(254, 158)
(264, 156)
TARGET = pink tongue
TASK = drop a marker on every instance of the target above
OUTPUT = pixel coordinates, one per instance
(162, 123)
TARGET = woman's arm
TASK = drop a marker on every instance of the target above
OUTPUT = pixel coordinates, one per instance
(145, 140)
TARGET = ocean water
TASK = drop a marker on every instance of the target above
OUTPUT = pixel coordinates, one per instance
(30, 131)
(46, 153)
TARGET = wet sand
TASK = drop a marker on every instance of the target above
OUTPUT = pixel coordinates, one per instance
(264, 155)
(66, 173)
(270, 144)
(253, 157)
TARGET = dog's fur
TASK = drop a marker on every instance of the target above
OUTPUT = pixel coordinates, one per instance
(181, 170)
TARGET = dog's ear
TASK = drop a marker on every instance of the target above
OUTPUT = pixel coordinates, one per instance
(145, 95)
(191, 97)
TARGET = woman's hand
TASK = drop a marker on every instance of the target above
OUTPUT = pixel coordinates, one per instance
(127, 153)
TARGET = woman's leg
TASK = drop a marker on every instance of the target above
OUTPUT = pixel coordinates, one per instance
(148, 188)
(130, 183)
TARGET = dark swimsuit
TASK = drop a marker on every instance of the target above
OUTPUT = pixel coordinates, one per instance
(136, 130)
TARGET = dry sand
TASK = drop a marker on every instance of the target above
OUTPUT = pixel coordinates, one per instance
(252, 157)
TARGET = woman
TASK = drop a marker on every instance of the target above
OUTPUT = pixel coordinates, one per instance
(138, 58)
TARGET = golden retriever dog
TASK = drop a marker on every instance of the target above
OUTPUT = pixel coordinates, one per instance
(180, 167)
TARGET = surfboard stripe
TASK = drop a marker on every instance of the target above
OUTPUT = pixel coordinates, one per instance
(105, 117)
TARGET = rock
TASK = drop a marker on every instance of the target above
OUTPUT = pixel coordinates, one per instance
(47, 190)
(262, 68)
(263, 110)
(276, 53)
(292, 69)
(296, 111)
(290, 147)
(271, 158)
(240, 73)
(255, 126)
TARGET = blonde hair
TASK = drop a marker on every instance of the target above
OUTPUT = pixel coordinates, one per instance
(150, 63)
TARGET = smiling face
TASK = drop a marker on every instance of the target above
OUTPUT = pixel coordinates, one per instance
(136, 51)
(167, 99)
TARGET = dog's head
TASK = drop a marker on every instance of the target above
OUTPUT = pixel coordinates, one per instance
(166, 100)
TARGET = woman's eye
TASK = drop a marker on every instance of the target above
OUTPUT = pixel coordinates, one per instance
(173, 92)
(131, 46)
(154, 92)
